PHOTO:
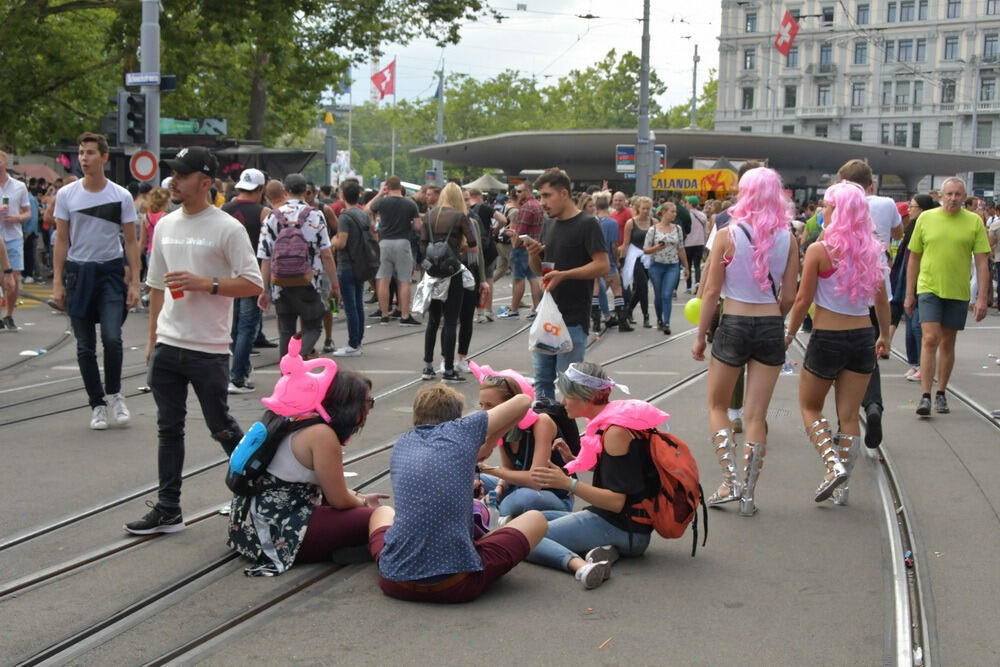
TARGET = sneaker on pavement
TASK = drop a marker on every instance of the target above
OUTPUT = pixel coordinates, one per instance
(873, 426)
(453, 376)
(396, 315)
(376, 315)
(607, 553)
(409, 322)
(941, 404)
(28, 280)
(531, 315)
(99, 418)
(9, 323)
(480, 318)
(347, 352)
(463, 365)
(428, 372)
(509, 315)
(489, 317)
(328, 345)
(924, 407)
(913, 375)
(157, 520)
(240, 387)
(118, 408)
(593, 575)
(264, 343)
(383, 320)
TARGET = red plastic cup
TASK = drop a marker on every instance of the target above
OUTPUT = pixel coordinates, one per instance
(177, 294)
(547, 267)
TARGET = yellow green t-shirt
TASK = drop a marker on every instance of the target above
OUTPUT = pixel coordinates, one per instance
(946, 244)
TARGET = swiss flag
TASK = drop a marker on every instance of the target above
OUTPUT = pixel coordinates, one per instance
(385, 80)
(786, 34)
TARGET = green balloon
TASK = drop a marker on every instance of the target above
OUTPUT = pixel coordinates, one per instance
(692, 310)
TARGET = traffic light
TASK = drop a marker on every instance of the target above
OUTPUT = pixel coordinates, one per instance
(131, 117)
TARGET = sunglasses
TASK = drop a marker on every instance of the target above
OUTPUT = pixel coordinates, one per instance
(500, 380)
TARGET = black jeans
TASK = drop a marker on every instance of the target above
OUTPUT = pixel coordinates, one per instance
(171, 369)
(873, 394)
(694, 253)
(293, 303)
(640, 289)
(470, 299)
(29, 255)
(450, 309)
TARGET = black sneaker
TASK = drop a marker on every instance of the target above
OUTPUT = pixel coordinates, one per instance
(409, 322)
(428, 372)
(383, 320)
(873, 426)
(453, 376)
(395, 315)
(377, 315)
(924, 407)
(264, 343)
(328, 345)
(156, 521)
(9, 323)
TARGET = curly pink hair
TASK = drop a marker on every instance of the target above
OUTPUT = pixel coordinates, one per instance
(762, 204)
(850, 237)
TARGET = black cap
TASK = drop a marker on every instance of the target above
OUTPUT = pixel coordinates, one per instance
(295, 184)
(192, 159)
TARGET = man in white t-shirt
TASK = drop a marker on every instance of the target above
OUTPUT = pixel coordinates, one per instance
(92, 217)
(203, 257)
(14, 210)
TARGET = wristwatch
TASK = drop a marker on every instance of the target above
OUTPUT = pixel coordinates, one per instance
(215, 286)
(8, 270)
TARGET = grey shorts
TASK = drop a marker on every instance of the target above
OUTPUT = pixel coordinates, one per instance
(949, 313)
(396, 260)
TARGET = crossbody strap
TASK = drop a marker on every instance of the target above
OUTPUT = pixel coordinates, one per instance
(774, 290)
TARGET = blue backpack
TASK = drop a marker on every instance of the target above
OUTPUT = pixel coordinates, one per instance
(249, 461)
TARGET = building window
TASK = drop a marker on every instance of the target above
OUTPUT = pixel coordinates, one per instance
(890, 15)
(747, 99)
(987, 90)
(788, 129)
(945, 131)
(826, 54)
(751, 22)
(860, 52)
(905, 50)
(993, 6)
(918, 93)
(856, 133)
(886, 93)
(858, 95)
(954, 9)
(746, 128)
(906, 12)
(899, 134)
(947, 91)
(793, 57)
(950, 48)
(915, 135)
(828, 15)
(791, 93)
(984, 134)
(922, 10)
(921, 50)
(821, 131)
(823, 95)
(750, 59)
(890, 51)
(884, 133)
(990, 45)
(902, 92)
(863, 14)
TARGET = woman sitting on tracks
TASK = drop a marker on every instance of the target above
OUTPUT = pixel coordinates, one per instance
(305, 504)
(424, 550)
(754, 267)
(844, 274)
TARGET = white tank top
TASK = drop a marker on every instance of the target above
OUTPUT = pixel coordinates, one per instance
(739, 282)
(286, 467)
(827, 296)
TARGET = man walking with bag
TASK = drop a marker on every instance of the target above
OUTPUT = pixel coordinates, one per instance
(357, 263)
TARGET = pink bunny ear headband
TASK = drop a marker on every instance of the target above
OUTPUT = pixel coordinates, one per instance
(483, 373)
(300, 391)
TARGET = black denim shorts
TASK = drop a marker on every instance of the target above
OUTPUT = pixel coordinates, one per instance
(830, 352)
(741, 338)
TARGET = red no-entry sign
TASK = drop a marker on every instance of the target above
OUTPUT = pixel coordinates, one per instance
(143, 166)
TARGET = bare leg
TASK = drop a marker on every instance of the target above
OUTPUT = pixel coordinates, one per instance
(946, 357)
(12, 295)
(536, 293)
(382, 516)
(403, 292)
(382, 289)
(932, 335)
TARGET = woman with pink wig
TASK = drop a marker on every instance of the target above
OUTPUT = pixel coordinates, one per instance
(844, 274)
(754, 266)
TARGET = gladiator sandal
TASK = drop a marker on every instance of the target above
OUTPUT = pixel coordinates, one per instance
(848, 447)
(822, 439)
(753, 461)
(724, 445)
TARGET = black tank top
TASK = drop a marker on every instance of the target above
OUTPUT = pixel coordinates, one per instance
(638, 235)
(248, 213)
(624, 474)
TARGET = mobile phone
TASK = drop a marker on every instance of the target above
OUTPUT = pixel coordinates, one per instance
(524, 238)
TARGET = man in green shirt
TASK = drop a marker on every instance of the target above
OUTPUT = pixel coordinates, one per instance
(938, 276)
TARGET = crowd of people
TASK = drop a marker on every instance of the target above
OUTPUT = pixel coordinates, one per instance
(208, 258)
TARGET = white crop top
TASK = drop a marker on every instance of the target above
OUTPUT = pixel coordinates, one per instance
(826, 293)
(739, 282)
(286, 467)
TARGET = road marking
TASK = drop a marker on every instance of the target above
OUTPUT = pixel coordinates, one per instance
(646, 373)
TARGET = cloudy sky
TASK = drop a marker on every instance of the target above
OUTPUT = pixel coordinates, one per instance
(547, 39)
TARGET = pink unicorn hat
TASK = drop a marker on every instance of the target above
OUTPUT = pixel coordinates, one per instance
(300, 391)
(526, 387)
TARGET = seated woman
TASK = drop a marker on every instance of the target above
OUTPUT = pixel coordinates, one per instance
(424, 550)
(528, 445)
(587, 543)
(305, 504)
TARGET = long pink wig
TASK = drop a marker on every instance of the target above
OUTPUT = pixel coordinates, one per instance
(763, 205)
(850, 237)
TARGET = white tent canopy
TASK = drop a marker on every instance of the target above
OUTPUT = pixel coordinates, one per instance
(487, 183)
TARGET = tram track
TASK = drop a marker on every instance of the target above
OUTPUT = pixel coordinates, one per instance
(54, 345)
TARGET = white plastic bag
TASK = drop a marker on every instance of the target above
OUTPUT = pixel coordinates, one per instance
(548, 333)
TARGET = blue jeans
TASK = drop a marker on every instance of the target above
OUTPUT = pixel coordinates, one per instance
(110, 311)
(573, 534)
(246, 320)
(522, 499)
(665, 278)
(914, 338)
(352, 294)
(602, 297)
(548, 366)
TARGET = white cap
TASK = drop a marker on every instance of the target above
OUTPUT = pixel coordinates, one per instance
(251, 179)
(166, 182)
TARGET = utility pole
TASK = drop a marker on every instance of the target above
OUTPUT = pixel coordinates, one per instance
(694, 89)
(149, 43)
(643, 144)
(439, 137)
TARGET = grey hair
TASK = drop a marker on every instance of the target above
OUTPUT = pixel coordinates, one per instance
(955, 179)
(583, 392)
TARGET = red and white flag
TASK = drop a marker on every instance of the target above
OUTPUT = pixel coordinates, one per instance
(786, 34)
(384, 80)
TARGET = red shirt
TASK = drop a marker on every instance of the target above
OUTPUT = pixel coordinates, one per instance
(338, 207)
(529, 218)
(621, 217)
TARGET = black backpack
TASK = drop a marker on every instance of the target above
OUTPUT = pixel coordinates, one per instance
(365, 255)
(256, 449)
(440, 260)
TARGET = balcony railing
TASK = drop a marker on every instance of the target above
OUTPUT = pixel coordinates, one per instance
(992, 106)
(831, 111)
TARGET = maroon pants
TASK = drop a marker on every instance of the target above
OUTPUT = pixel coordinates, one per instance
(330, 529)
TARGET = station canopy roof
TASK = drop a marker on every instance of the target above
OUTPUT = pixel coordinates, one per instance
(590, 154)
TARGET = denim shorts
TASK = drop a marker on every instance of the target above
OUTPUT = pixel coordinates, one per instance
(949, 313)
(395, 260)
(519, 264)
(832, 351)
(741, 338)
(15, 253)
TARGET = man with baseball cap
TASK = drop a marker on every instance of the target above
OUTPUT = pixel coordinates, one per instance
(203, 257)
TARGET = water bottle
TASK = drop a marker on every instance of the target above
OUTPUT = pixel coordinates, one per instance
(334, 306)
(788, 368)
(494, 508)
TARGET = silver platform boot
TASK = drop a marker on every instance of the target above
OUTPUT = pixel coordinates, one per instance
(753, 461)
(822, 439)
(724, 445)
(848, 447)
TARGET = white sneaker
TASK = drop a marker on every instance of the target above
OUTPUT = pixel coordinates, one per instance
(118, 409)
(99, 418)
(347, 351)
(441, 367)
(480, 318)
(463, 365)
(28, 280)
(593, 575)
(241, 388)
